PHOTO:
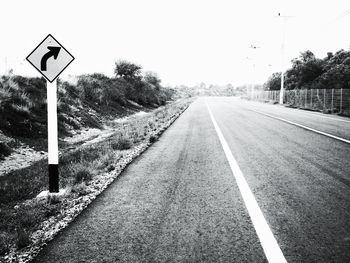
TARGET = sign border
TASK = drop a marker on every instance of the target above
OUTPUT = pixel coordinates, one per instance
(49, 35)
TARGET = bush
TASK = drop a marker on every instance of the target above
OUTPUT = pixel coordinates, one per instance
(152, 139)
(80, 189)
(82, 175)
(29, 216)
(122, 144)
(23, 238)
(4, 244)
(5, 150)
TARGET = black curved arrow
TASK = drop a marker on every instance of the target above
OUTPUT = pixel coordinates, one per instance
(53, 52)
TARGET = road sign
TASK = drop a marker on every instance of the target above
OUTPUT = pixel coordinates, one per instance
(50, 58)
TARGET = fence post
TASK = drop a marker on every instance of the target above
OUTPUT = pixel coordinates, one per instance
(305, 97)
(310, 98)
(341, 100)
(275, 95)
(324, 99)
(332, 100)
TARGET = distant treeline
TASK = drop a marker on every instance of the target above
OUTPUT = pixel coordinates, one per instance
(309, 72)
(83, 102)
(208, 90)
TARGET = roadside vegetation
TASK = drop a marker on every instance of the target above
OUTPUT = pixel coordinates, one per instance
(309, 72)
(93, 100)
(86, 101)
(21, 214)
(203, 89)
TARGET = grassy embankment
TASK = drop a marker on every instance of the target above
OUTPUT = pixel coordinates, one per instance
(87, 103)
(90, 102)
(77, 169)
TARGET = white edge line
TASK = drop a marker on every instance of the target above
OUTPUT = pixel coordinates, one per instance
(303, 126)
(321, 116)
(316, 113)
(306, 112)
(268, 242)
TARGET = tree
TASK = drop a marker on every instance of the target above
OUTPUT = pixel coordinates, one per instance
(274, 82)
(127, 70)
(337, 71)
(153, 79)
(305, 69)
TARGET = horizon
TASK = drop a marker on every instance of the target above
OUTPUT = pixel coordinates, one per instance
(185, 43)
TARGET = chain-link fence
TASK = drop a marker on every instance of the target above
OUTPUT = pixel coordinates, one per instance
(326, 100)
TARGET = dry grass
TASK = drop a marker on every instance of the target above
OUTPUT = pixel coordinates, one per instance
(5, 150)
(77, 168)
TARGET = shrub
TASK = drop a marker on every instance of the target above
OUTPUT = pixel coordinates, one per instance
(4, 244)
(29, 216)
(82, 175)
(51, 210)
(22, 238)
(5, 150)
(152, 139)
(54, 199)
(122, 144)
(80, 189)
(110, 168)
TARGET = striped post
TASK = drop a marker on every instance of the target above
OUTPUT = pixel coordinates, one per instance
(52, 136)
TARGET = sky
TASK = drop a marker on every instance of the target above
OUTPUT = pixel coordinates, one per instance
(184, 41)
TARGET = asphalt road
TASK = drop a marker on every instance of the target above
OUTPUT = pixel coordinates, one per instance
(180, 202)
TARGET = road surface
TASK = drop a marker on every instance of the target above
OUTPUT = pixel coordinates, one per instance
(184, 200)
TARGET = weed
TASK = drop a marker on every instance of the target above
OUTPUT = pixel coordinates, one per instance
(5, 150)
(104, 160)
(54, 199)
(4, 244)
(121, 144)
(20, 108)
(22, 238)
(76, 168)
(151, 125)
(152, 139)
(80, 189)
(82, 175)
(29, 216)
(52, 210)
(110, 168)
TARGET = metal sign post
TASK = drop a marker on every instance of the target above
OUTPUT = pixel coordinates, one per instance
(52, 133)
(50, 58)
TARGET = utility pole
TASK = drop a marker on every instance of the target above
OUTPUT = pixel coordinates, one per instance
(253, 47)
(285, 19)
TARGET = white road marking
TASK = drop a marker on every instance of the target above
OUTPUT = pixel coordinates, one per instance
(321, 116)
(268, 242)
(303, 126)
(305, 112)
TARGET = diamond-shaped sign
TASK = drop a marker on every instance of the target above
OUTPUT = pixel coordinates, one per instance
(50, 58)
